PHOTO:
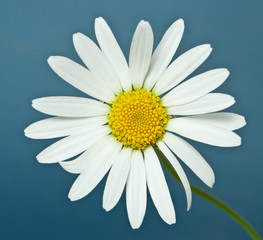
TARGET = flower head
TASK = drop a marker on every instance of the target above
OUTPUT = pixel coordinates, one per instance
(134, 109)
(137, 119)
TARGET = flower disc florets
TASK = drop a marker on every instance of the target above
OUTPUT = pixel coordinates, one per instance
(137, 118)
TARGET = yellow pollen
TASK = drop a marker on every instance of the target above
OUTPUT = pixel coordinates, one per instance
(137, 118)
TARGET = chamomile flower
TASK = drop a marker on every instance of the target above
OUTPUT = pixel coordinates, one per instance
(132, 108)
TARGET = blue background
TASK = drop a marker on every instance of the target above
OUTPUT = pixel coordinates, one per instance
(33, 198)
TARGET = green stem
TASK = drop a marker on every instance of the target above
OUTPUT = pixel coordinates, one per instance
(240, 220)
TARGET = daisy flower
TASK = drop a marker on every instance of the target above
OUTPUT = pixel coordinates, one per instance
(131, 109)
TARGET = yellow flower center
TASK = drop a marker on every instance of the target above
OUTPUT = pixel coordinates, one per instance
(137, 118)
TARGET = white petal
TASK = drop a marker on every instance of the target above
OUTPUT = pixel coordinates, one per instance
(140, 53)
(96, 170)
(96, 61)
(191, 158)
(82, 162)
(230, 121)
(136, 190)
(116, 179)
(112, 51)
(71, 146)
(196, 87)
(179, 170)
(80, 77)
(77, 165)
(181, 67)
(203, 132)
(61, 127)
(211, 102)
(164, 53)
(70, 106)
(158, 187)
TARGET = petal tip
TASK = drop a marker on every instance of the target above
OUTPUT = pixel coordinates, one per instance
(172, 221)
(39, 158)
(50, 59)
(135, 226)
(243, 121)
(181, 21)
(26, 130)
(189, 204)
(71, 197)
(188, 207)
(211, 184)
(43, 158)
(206, 47)
(99, 19)
(27, 133)
(211, 181)
(106, 208)
(144, 23)
(76, 35)
(178, 25)
(226, 71)
(34, 105)
(182, 25)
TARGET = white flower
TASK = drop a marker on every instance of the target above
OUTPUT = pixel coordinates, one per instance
(117, 130)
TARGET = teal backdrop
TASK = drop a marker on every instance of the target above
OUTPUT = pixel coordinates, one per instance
(33, 196)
